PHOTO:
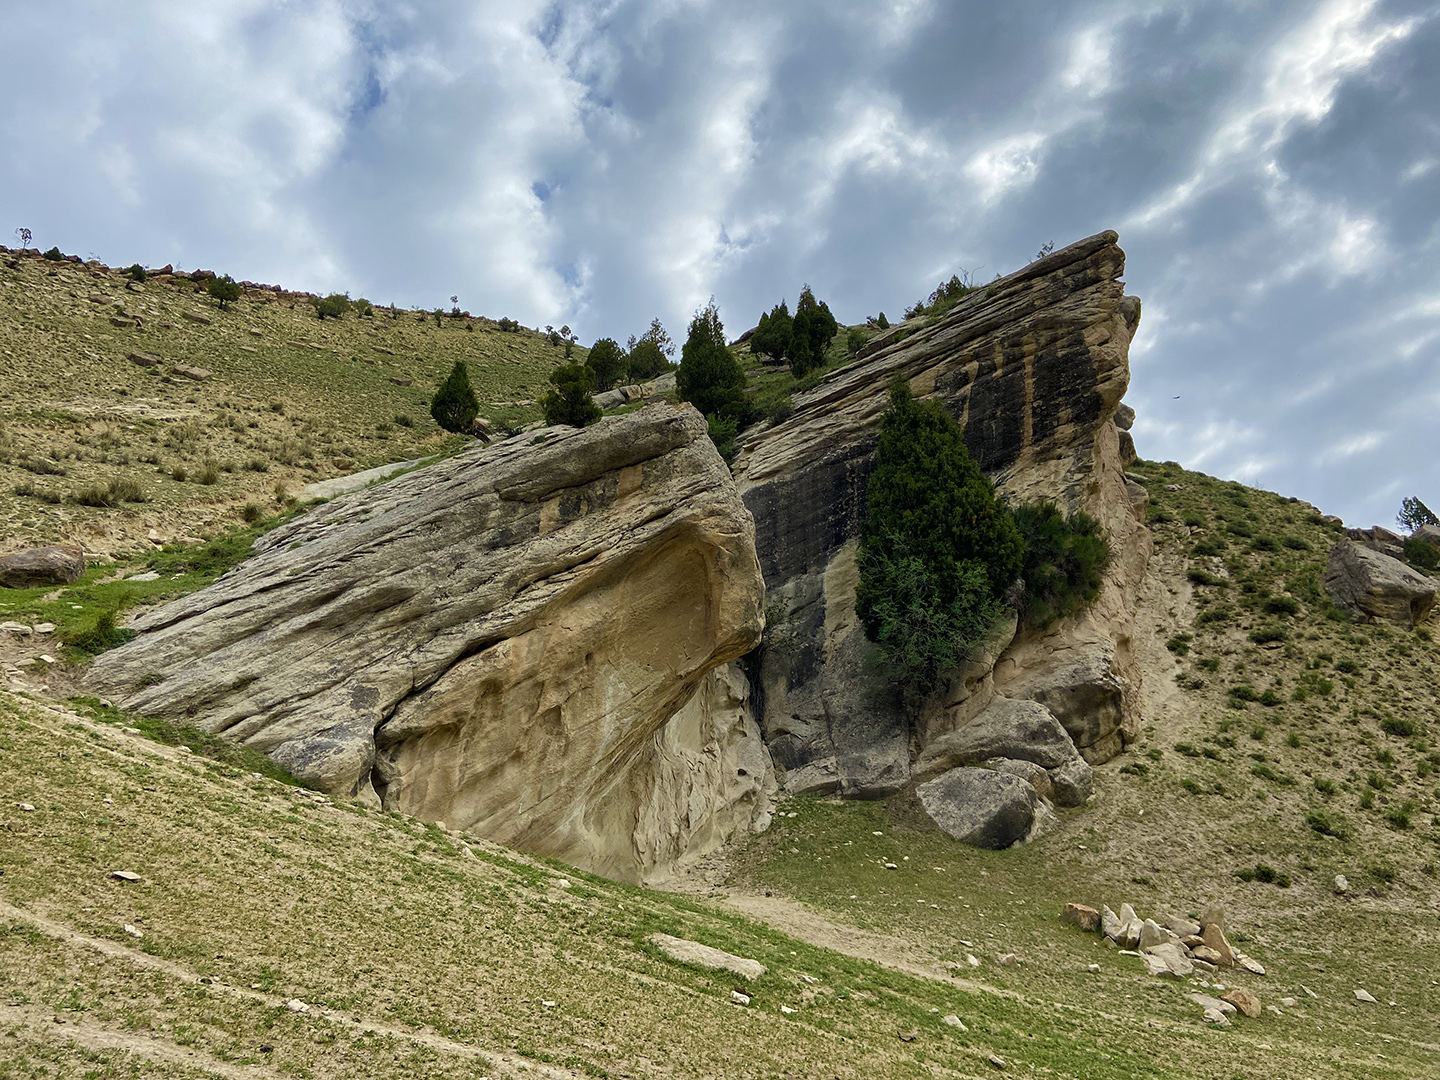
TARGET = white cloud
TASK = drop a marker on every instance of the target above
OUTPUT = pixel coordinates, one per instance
(1009, 163)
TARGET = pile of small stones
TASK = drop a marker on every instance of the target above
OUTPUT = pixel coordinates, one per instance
(1175, 947)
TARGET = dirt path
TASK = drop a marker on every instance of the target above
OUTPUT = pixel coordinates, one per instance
(46, 1024)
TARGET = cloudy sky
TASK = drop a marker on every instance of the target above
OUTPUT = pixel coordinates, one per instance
(1272, 167)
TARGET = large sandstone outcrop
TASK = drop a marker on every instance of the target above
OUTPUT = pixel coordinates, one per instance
(528, 641)
(1033, 366)
(1372, 585)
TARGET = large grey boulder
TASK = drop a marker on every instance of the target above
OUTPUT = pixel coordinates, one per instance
(980, 807)
(1375, 586)
(1023, 730)
(37, 568)
(517, 641)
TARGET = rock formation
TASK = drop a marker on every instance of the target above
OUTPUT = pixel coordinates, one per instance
(1373, 585)
(36, 568)
(1033, 366)
(530, 640)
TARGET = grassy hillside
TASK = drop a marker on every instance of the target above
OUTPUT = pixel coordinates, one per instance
(1283, 745)
(291, 399)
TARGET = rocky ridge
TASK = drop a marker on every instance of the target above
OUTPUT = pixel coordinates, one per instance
(529, 641)
(1033, 366)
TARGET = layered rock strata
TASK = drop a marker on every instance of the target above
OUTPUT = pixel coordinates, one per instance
(530, 640)
(1033, 366)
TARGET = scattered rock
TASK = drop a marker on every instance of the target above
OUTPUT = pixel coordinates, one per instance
(1215, 1016)
(1245, 1001)
(1110, 925)
(787, 1010)
(692, 952)
(144, 359)
(1365, 996)
(1028, 771)
(1203, 952)
(738, 998)
(1251, 965)
(1151, 934)
(1214, 937)
(1174, 964)
(1212, 914)
(196, 317)
(1019, 730)
(1180, 926)
(1205, 1001)
(33, 568)
(997, 1061)
(1072, 782)
(1008, 959)
(1342, 884)
(122, 321)
(401, 382)
(132, 931)
(954, 1021)
(295, 1005)
(1309, 993)
(1086, 918)
(26, 808)
(908, 1036)
(978, 807)
(1288, 1002)
(195, 374)
(125, 875)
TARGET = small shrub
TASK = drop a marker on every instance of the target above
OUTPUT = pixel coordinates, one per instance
(251, 512)
(209, 473)
(97, 635)
(364, 308)
(1281, 605)
(1204, 577)
(1294, 543)
(1063, 564)
(1264, 873)
(723, 431)
(178, 474)
(1264, 543)
(1325, 786)
(1402, 726)
(1211, 663)
(1422, 554)
(1377, 782)
(1292, 740)
(257, 464)
(1191, 786)
(1263, 635)
(1135, 768)
(1240, 528)
(1347, 667)
(1194, 521)
(53, 255)
(333, 306)
(1258, 732)
(780, 411)
(135, 272)
(402, 420)
(570, 402)
(94, 495)
(1271, 697)
(1213, 615)
(1367, 799)
(1399, 817)
(1179, 644)
(1187, 749)
(1244, 692)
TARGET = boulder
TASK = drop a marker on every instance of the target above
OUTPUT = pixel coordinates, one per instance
(692, 952)
(1089, 700)
(979, 807)
(36, 568)
(1028, 771)
(195, 374)
(1428, 533)
(1214, 938)
(1180, 925)
(144, 359)
(1110, 924)
(1373, 585)
(1247, 1002)
(1072, 782)
(1020, 730)
(1086, 918)
(512, 640)
(1171, 957)
(1124, 417)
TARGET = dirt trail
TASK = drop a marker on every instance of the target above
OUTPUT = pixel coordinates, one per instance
(93, 1035)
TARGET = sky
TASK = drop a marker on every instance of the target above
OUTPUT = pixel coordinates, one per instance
(1272, 168)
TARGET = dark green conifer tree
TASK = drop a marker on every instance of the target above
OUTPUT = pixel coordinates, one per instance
(454, 405)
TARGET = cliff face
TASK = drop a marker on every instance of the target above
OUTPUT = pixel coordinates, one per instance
(521, 641)
(1033, 366)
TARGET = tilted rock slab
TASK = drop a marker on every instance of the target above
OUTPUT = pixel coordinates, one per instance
(1372, 585)
(1033, 366)
(518, 641)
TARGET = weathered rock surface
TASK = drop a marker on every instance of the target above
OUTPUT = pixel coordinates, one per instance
(35, 568)
(1033, 367)
(519, 641)
(1373, 585)
(692, 952)
(1024, 731)
(980, 807)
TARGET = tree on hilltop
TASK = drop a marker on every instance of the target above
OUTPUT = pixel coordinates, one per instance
(608, 361)
(570, 401)
(223, 290)
(812, 330)
(709, 377)
(1414, 513)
